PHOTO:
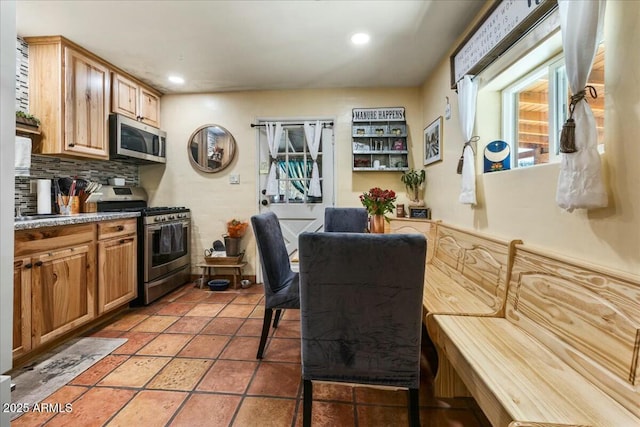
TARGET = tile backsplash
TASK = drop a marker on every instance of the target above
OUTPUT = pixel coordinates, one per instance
(49, 167)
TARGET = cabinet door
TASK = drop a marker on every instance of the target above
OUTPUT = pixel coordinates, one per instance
(21, 306)
(124, 96)
(86, 96)
(63, 289)
(117, 272)
(149, 108)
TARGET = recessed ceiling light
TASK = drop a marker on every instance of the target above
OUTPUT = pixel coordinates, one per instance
(176, 79)
(360, 38)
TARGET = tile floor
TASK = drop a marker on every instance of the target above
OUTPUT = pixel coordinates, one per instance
(190, 361)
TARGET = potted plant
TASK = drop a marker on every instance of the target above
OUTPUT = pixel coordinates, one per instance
(27, 119)
(235, 231)
(413, 181)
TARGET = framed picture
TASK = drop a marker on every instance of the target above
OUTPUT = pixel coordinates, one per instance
(433, 142)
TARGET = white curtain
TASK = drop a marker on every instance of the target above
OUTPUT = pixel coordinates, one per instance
(274, 135)
(580, 184)
(313, 134)
(467, 95)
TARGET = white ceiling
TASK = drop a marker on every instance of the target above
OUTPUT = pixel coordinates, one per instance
(258, 45)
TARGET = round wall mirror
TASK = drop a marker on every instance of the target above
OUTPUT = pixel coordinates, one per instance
(211, 148)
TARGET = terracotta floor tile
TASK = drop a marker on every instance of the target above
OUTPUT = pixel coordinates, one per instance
(248, 299)
(180, 374)
(98, 371)
(282, 350)
(135, 341)
(265, 412)
(63, 396)
(291, 314)
(379, 416)
(219, 297)
(106, 333)
(207, 410)
(177, 294)
(258, 312)
(94, 408)
(126, 322)
(241, 348)
(149, 408)
(250, 328)
(276, 379)
(228, 376)
(287, 329)
(198, 295)
(176, 308)
(188, 325)
(333, 391)
(236, 310)
(373, 395)
(223, 326)
(205, 346)
(150, 309)
(329, 414)
(155, 324)
(165, 345)
(206, 310)
(135, 372)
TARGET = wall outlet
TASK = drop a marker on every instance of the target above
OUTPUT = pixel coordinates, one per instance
(234, 178)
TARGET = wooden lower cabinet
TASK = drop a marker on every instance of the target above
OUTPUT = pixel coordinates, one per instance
(67, 276)
(21, 306)
(62, 291)
(117, 273)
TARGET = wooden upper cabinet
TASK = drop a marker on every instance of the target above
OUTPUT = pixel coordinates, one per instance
(135, 100)
(69, 93)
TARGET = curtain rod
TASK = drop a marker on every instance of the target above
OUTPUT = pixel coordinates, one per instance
(324, 123)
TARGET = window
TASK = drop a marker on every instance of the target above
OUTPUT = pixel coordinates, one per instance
(535, 107)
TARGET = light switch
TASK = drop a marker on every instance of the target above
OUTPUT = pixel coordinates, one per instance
(234, 178)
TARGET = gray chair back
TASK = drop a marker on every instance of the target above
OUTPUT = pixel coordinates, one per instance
(345, 220)
(361, 307)
(274, 260)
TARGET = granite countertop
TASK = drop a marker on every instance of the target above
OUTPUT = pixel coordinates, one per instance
(31, 222)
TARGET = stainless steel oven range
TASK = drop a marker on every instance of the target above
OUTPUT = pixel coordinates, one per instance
(164, 235)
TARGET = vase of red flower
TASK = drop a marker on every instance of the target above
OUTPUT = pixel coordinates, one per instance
(378, 202)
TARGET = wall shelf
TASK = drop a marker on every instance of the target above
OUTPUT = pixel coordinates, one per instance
(379, 140)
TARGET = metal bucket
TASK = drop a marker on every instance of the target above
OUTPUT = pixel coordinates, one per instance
(232, 245)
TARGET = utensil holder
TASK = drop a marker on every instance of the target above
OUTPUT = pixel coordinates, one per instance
(70, 205)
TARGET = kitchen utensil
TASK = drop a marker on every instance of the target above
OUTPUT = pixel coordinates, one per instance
(64, 185)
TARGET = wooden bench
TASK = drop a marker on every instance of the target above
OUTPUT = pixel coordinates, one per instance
(466, 274)
(565, 352)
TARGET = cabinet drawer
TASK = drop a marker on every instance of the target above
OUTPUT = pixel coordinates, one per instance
(51, 238)
(116, 228)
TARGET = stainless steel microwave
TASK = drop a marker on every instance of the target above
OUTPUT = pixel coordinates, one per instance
(130, 139)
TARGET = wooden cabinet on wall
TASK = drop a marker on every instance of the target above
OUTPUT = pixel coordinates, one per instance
(117, 254)
(69, 91)
(135, 100)
(55, 268)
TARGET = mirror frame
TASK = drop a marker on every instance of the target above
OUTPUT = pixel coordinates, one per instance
(230, 147)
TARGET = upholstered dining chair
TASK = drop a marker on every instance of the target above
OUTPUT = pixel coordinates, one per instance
(281, 285)
(361, 311)
(345, 220)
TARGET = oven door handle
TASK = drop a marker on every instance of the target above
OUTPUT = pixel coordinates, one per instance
(157, 227)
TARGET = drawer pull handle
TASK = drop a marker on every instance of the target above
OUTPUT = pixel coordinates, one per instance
(120, 227)
(28, 265)
(38, 263)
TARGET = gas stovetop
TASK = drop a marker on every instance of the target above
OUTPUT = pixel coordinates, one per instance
(161, 210)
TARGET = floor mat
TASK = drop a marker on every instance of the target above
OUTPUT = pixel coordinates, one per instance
(56, 368)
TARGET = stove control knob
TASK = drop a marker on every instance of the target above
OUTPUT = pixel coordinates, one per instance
(156, 219)
(172, 217)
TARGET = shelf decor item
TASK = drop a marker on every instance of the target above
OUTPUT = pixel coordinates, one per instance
(413, 181)
(379, 139)
(433, 142)
(235, 231)
(378, 202)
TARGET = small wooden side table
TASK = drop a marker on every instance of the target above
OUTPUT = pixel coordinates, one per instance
(236, 271)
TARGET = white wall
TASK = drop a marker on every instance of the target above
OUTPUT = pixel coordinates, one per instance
(521, 203)
(7, 142)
